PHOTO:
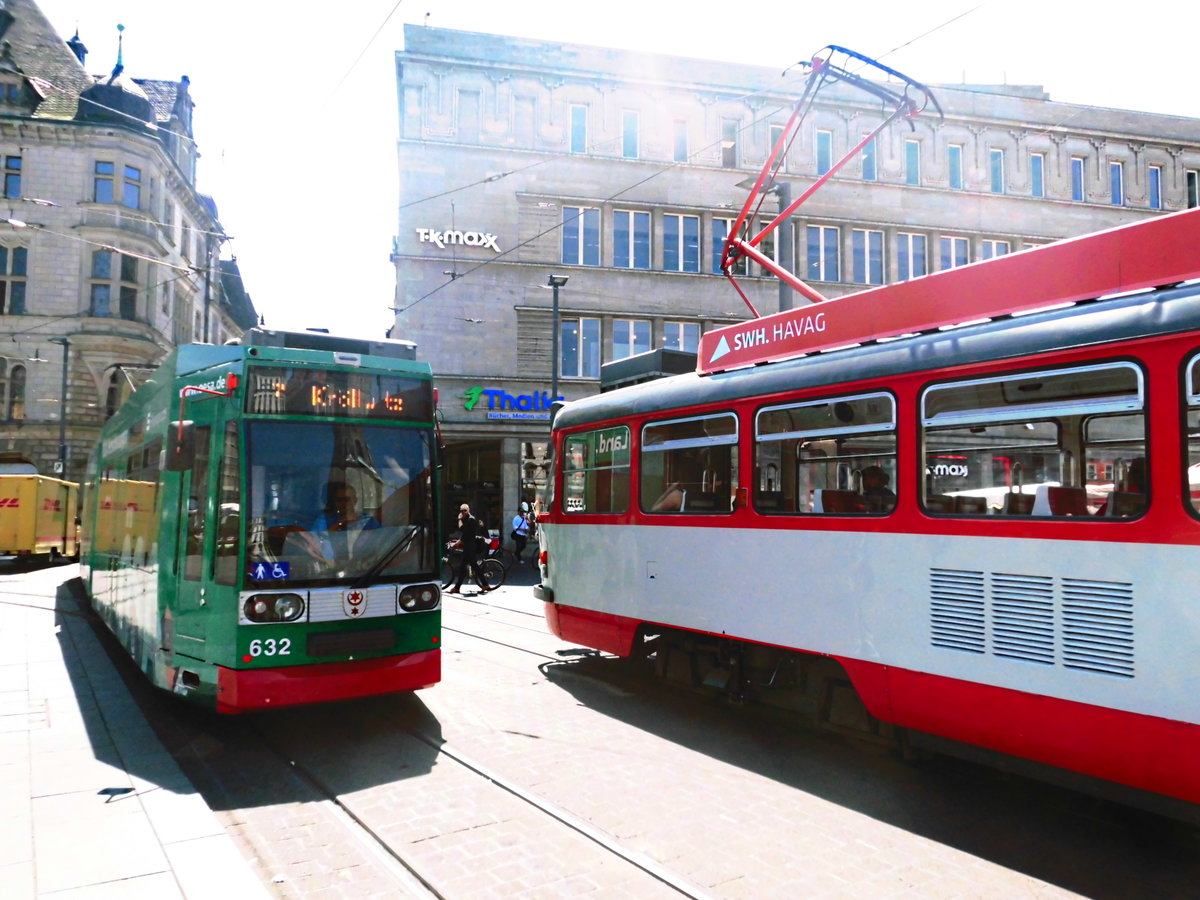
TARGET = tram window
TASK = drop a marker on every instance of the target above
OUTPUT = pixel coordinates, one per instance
(689, 465)
(829, 456)
(194, 507)
(1033, 443)
(596, 471)
(229, 516)
(1193, 434)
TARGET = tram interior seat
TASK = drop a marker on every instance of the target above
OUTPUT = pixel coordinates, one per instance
(1051, 500)
(1018, 504)
(942, 503)
(974, 505)
(831, 501)
(702, 501)
(1125, 504)
(769, 501)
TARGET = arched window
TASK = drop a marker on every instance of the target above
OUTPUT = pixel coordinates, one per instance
(112, 399)
(16, 393)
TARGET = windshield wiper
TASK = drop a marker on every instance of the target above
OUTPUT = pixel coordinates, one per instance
(395, 550)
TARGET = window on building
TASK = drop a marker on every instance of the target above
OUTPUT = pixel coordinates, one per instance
(12, 391)
(14, 268)
(729, 143)
(954, 160)
(168, 222)
(681, 243)
(911, 260)
(955, 251)
(824, 151)
(103, 181)
(1154, 186)
(114, 275)
(1116, 183)
(681, 336)
(870, 170)
(629, 134)
(1037, 174)
(996, 169)
(720, 230)
(690, 465)
(631, 239)
(824, 255)
(830, 456)
(1193, 189)
(912, 162)
(580, 343)
(681, 140)
(630, 337)
(1077, 192)
(581, 236)
(131, 188)
(12, 176)
(867, 254)
(992, 249)
(578, 128)
(776, 132)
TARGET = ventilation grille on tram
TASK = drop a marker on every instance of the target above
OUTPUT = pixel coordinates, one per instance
(1076, 623)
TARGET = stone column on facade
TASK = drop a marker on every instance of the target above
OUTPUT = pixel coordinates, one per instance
(510, 483)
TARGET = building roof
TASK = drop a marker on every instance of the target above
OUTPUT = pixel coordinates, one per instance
(45, 60)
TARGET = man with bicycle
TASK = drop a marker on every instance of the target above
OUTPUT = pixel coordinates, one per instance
(470, 532)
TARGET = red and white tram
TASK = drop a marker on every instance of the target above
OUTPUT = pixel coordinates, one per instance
(984, 531)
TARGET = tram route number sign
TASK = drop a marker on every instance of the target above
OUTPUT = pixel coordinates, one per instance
(271, 571)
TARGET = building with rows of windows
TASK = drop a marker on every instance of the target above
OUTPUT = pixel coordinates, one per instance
(622, 172)
(108, 254)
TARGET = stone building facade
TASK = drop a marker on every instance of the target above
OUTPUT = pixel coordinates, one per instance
(523, 159)
(109, 255)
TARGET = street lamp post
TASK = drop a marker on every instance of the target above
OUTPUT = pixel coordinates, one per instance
(555, 282)
(62, 408)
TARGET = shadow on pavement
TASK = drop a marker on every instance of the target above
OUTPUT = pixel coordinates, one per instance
(1086, 845)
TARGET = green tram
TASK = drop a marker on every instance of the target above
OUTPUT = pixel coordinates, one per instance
(259, 523)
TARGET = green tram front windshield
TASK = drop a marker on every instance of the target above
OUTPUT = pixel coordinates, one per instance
(301, 528)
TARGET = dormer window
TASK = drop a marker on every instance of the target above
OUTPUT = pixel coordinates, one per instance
(12, 92)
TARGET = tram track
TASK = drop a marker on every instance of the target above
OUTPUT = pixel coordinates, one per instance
(408, 873)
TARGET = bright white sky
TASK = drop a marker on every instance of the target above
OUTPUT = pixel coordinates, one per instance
(296, 103)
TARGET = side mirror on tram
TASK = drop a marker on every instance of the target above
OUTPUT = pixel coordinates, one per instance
(180, 446)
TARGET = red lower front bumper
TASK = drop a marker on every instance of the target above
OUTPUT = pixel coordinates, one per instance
(241, 690)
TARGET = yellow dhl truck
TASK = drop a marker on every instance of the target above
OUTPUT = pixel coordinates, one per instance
(39, 518)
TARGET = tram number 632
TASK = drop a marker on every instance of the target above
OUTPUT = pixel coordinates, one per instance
(271, 647)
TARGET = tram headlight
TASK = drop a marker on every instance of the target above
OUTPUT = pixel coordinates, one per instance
(419, 598)
(289, 607)
(273, 607)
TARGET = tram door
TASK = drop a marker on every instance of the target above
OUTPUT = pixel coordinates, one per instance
(193, 542)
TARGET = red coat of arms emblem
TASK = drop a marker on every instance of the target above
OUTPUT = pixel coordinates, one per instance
(354, 603)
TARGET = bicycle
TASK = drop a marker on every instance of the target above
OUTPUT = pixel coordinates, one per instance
(491, 570)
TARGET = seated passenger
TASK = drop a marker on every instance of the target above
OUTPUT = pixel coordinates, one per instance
(875, 490)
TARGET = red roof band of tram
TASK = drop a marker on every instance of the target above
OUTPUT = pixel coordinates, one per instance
(1128, 258)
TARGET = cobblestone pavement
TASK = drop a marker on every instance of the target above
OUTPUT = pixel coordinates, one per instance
(732, 802)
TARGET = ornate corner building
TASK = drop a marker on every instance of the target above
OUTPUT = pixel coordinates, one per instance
(523, 159)
(109, 255)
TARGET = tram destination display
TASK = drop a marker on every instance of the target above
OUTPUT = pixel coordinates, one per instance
(324, 392)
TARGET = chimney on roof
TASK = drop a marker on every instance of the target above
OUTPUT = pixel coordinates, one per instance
(6, 19)
(76, 46)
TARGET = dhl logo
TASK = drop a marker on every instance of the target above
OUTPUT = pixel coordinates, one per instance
(10, 502)
(15, 503)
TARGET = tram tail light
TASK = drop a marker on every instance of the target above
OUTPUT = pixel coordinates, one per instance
(543, 557)
(419, 598)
